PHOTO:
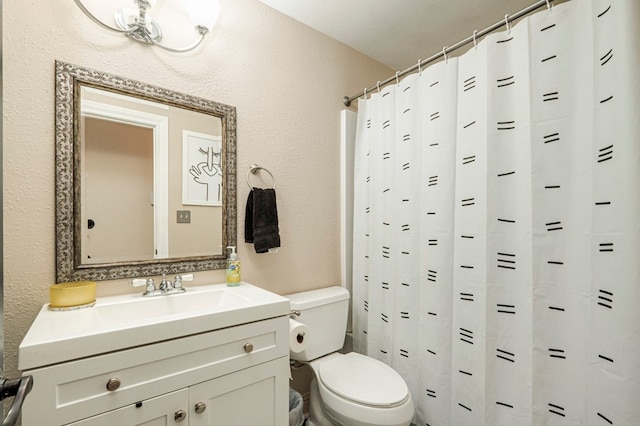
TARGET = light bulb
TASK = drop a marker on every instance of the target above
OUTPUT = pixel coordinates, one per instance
(203, 12)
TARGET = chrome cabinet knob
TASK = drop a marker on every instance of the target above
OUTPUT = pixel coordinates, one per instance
(248, 348)
(180, 416)
(113, 384)
(200, 407)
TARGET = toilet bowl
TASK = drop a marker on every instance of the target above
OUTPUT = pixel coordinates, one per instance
(348, 389)
(355, 389)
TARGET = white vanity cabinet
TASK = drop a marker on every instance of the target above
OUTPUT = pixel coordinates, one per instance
(232, 376)
(246, 397)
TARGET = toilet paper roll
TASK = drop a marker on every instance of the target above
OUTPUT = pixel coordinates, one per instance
(298, 336)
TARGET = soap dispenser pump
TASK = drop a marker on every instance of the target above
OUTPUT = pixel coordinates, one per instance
(233, 268)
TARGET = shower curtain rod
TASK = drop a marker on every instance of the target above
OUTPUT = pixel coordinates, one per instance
(473, 38)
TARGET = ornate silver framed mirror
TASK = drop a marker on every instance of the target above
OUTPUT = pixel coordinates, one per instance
(145, 178)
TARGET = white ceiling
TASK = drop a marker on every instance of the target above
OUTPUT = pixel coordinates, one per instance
(398, 32)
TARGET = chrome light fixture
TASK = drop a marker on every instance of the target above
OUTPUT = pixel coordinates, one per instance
(140, 26)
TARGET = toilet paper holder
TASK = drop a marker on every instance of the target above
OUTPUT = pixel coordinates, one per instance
(293, 314)
(297, 334)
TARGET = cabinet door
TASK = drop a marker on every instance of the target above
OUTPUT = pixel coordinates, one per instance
(254, 396)
(166, 410)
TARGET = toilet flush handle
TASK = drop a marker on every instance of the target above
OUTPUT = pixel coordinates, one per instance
(293, 314)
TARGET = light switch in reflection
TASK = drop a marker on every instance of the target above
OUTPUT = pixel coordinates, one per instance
(183, 216)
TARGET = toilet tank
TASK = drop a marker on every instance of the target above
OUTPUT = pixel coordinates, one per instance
(324, 312)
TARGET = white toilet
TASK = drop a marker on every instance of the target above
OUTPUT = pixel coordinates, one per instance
(350, 389)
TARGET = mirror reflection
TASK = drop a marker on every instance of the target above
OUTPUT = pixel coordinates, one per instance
(151, 180)
(145, 178)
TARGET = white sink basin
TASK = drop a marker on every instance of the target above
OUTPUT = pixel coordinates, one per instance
(120, 322)
(138, 309)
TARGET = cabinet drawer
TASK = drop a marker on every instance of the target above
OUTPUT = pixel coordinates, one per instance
(78, 389)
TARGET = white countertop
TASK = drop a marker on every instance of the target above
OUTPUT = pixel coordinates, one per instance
(121, 322)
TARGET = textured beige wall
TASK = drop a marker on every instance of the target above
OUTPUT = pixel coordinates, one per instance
(286, 82)
(203, 236)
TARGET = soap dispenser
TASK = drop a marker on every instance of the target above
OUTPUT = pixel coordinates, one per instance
(233, 268)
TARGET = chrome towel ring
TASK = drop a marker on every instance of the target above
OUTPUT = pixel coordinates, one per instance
(254, 169)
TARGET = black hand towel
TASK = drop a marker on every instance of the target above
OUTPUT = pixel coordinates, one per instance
(261, 220)
(248, 219)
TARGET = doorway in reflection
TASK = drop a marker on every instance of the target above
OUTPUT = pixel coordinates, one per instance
(119, 192)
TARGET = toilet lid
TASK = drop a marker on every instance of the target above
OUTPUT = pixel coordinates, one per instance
(363, 380)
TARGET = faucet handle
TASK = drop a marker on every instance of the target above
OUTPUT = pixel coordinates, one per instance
(138, 282)
(177, 284)
(179, 278)
(150, 290)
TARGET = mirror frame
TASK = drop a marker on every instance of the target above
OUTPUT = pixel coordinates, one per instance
(69, 79)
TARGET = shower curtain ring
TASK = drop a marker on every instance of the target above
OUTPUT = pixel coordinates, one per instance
(506, 22)
(378, 86)
(419, 66)
(444, 53)
(365, 94)
(475, 42)
(397, 81)
(549, 5)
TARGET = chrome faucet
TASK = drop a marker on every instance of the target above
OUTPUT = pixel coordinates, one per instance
(166, 286)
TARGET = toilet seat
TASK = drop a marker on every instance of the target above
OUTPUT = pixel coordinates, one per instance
(363, 380)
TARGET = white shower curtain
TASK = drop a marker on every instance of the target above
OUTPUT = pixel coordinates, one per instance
(497, 225)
